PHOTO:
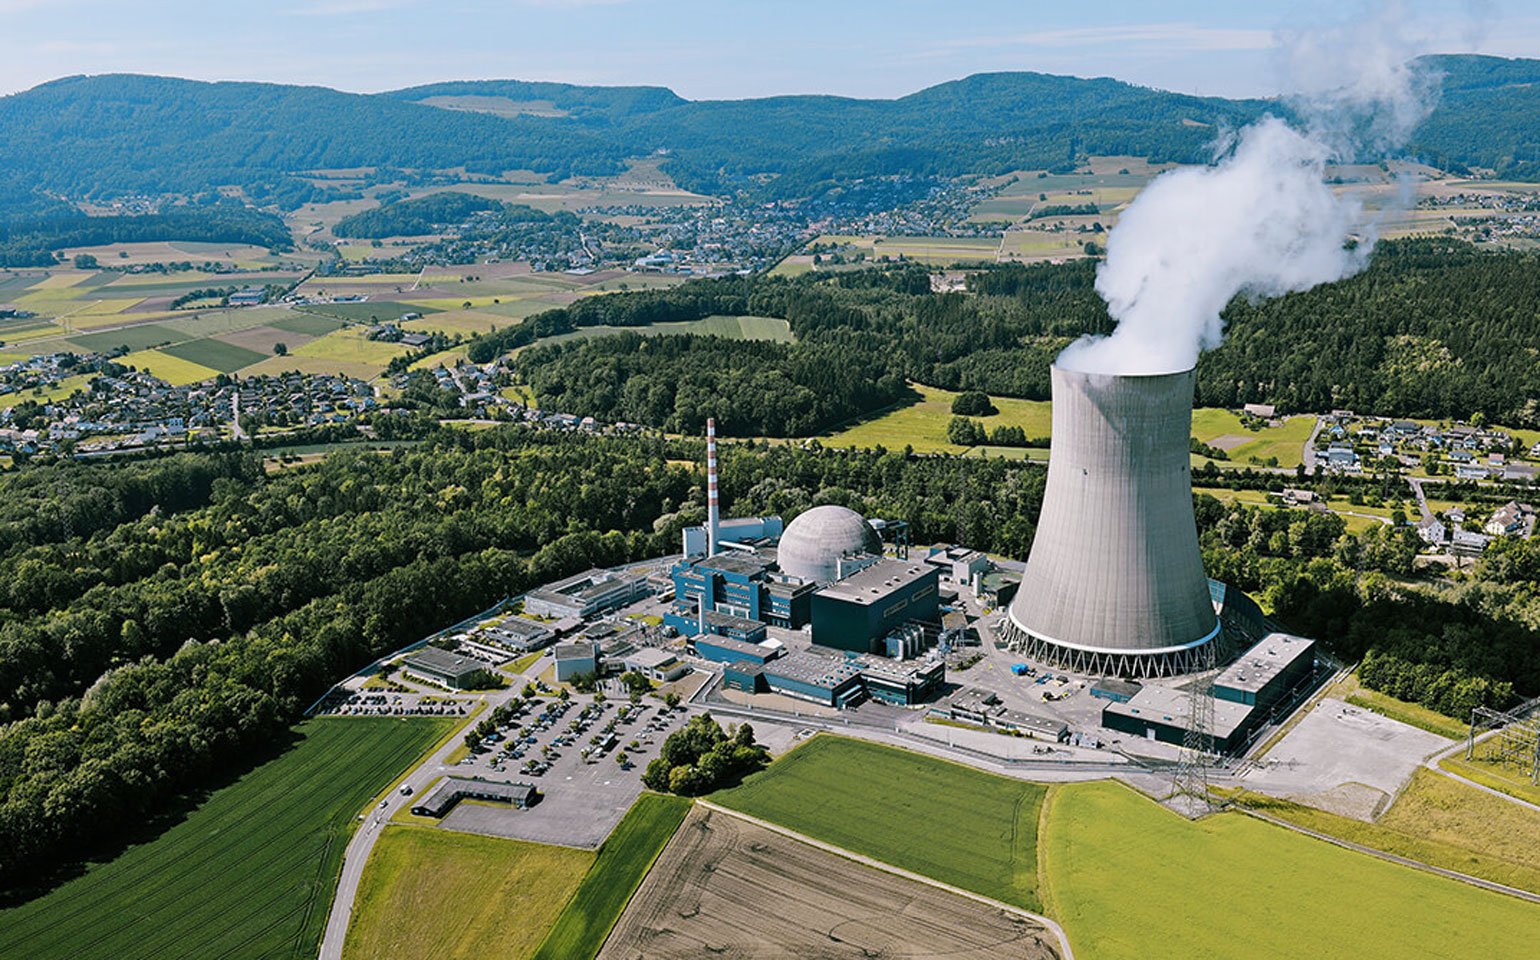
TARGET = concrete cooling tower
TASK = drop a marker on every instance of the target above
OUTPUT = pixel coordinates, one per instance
(1115, 582)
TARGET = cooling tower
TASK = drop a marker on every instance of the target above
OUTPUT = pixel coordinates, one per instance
(1115, 582)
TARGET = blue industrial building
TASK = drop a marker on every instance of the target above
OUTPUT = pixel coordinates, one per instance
(741, 584)
(730, 650)
(860, 611)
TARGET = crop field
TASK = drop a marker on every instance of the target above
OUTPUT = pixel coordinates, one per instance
(1442, 822)
(369, 311)
(1028, 244)
(730, 328)
(937, 249)
(1223, 429)
(618, 870)
(983, 833)
(307, 324)
(726, 887)
(135, 338)
(174, 370)
(464, 322)
(262, 340)
(249, 873)
(923, 424)
(427, 892)
(1129, 880)
(215, 354)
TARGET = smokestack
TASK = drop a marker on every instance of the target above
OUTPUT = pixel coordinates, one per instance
(1115, 584)
(713, 516)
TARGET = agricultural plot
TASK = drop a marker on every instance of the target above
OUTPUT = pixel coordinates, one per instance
(623, 861)
(938, 249)
(214, 354)
(1225, 430)
(172, 369)
(435, 893)
(1130, 879)
(729, 328)
(726, 887)
(137, 337)
(923, 424)
(1026, 245)
(249, 873)
(955, 824)
(369, 311)
(263, 341)
(306, 324)
(464, 322)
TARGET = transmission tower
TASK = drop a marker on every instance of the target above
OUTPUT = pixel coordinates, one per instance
(1196, 761)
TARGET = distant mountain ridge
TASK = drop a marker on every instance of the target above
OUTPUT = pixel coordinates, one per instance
(111, 135)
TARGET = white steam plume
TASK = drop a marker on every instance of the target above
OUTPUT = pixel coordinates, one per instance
(1261, 220)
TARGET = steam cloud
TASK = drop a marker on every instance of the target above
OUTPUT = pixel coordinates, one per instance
(1261, 220)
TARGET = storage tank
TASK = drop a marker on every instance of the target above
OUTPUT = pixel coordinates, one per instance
(1115, 584)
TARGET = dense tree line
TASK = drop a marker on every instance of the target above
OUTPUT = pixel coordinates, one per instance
(700, 757)
(408, 218)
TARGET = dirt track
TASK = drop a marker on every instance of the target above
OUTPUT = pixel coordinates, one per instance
(726, 888)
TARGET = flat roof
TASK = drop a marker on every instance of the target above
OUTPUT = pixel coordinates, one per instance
(734, 561)
(812, 669)
(454, 787)
(1173, 707)
(521, 627)
(896, 671)
(576, 651)
(870, 584)
(651, 657)
(733, 644)
(1258, 666)
(720, 619)
(442, 661)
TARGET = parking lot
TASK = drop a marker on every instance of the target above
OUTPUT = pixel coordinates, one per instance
(584, 796)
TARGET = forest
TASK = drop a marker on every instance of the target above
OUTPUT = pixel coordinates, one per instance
(1428, 330)
(30, 241)
(411, 218)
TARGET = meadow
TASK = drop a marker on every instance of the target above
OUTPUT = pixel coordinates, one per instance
(730, 328)
(1286, 441)
(467, 896)
(958, 825)
(922, 423)
(249, 872)
(622, 863)
(1129, 880)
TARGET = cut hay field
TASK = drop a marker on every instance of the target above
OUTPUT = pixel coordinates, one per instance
(215, 354)
(923, 424)
(174, 370)
(427, 892)
(249, 873)
(979, 831)
(617, 871)
(1130, 880)
(712, 890)
(938, 249)
(1285, 441)
(1442, 822)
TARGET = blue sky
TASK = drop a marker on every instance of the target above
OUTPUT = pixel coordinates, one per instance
(721, 49)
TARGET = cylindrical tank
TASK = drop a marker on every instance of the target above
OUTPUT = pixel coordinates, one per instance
(1115, 583)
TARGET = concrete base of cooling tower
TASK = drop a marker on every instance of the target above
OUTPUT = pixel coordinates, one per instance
(1128, 664)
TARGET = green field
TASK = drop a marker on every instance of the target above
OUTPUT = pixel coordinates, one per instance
(623, 861)
(961, 826)
(436, 893)
(1130, 880)
(215, 354)
(134, 338)
(1442, 822)
(174, 370)
(922, 424)
(249, 873)
(375, 311)
(1285, 441)
(730, 328)
(307, 324)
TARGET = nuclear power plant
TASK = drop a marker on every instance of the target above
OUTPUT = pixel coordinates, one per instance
(1114, 584)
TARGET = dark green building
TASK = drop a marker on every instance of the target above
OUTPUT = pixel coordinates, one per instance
(856, 613)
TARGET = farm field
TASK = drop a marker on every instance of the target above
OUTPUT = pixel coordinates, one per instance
(730, 328)
(215, 354)
(623, 861)
(368, 311)
(826, 789)
(724, 886)
(937, 249)
(249, 872)
(923, 424)
(1442, 822)
(1224, 429)
(427, 892)
(1129, 880)
(172, 369)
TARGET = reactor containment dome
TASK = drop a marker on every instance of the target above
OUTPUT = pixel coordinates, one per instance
(1114, 584)
(814, 543)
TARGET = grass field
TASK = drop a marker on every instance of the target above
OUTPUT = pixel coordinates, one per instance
(134, 338)
(923, 424)
(1442, 822)
(215, 354)
(174, 370)
(369, 310)
(436, 893)
(979, 830)
(249, 873)
(1130, 880)
(1504, 778)
(1285, 441)
(730, 328)
(623, 861)
(306, 324)
(58, 391)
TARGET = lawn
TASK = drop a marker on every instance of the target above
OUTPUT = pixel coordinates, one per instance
(1130, 880)
(460, 895)
(959, 825)
(922, 424)
(215, 354)
(249, 873)
(1442, 822)
(174, 370)
(623, 861)
(1285, 441)
(57, 391)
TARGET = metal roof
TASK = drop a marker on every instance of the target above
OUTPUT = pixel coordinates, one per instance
(870, 584)
(1258, 666)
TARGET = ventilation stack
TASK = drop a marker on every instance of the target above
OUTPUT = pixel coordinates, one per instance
(1115, 584)
(713, 514)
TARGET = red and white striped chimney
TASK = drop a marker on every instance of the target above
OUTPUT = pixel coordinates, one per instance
(713, 518)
